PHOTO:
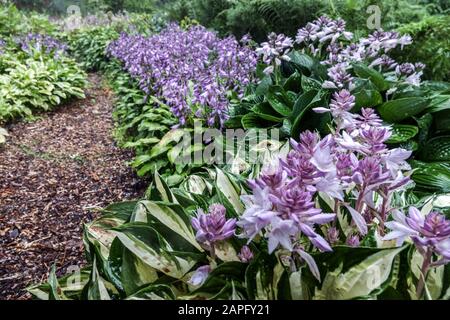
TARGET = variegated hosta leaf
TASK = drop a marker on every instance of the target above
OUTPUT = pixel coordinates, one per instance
(263, 277)
(361, 279)
(225, 251)
(127, 271)
(99, 235)
(229, 190)
(165, 194)
(218, 284)
(70, 285)
(55, 292)
(153, 292)
(148, 245)
(96, 286)
(197, 185)
(177, 221)
(297, 286)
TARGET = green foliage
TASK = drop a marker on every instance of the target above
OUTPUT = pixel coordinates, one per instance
(38, 85)
(89, 46)
(393, 13)
(147, 250)
(431, 46)
(14, 22)
(259, 17)
(432, 177)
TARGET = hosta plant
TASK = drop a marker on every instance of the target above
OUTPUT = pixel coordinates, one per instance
(88, 46)
(38, 85)
(329, 220)
(299, 76)
(180, 244)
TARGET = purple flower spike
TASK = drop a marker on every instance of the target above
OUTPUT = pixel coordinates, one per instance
(213, 226)
(245, 255)
(353, 241)
(430, 232)
(333, 235)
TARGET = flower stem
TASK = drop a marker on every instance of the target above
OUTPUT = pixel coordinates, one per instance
(423, 273)
(213, 252)
(359, 201)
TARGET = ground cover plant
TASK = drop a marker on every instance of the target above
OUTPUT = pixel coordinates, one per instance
(36, 72)
(36, 76)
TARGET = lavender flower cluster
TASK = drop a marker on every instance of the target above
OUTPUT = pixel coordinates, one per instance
(42, 43)
(192, 70)
(352, 163)
(328, 40)
(274, 50)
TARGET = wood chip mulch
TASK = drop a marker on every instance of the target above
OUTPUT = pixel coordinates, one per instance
(54, 173)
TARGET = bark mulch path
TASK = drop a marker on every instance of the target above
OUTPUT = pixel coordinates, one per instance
(53, 172)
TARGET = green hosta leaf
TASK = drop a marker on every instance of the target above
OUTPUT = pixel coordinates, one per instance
(265, 111)
(367, 98)
(303, 101)
(433, 176)
(360, 280)
(152, 166)
(424, 124)
(279, 100)
(309, 84)
(439, 103)
(259, 277)
(220, 278)
(263, 86)
(173, 136)
(400, 109)
(120, 210)
(128, 272)
(402, 133)
(373, 75)
(140, 160)
(442, 121)
(234, 122)
(436, 149)
(252, 120)
(293, 83)
(141, 142)
(301, 61)
(308, 119)
(303, 104)
(410, 145)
